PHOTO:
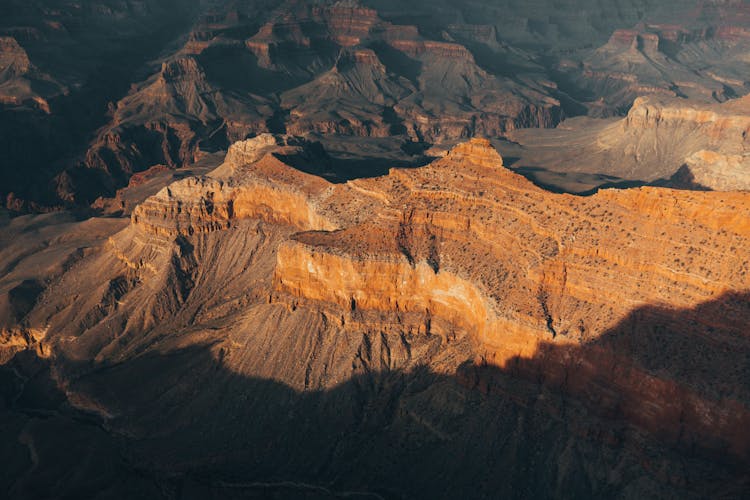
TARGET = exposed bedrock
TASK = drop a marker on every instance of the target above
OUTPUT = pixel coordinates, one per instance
(418, 301)
(543, 286)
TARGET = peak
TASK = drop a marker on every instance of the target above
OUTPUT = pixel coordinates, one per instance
(350, 57)
(477, 143)
(183, 67)
(249, 151)
(13, 56)
(641, 102)
(480, 141)
(9, 43)
(477, 150)
(636, 39)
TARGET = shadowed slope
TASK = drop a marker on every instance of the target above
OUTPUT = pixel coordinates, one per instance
(202, 419)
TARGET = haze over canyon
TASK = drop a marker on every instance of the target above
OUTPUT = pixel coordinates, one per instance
(374, 249)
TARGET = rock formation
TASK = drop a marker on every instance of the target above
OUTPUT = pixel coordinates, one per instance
(672, 59)
(369, 78)
(450, 310)
(712, 170)
(61, 64)
(293, 269)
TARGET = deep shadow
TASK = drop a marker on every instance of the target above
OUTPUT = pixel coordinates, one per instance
(682, 179)
(395, 122)
(509, 161)
(398, 63)
(23, 297)
(673, 373)
(339, 169)
(184, 425)
(578, 100)
(600, 181)
(234, 68)
(51, 449)
(36, 147)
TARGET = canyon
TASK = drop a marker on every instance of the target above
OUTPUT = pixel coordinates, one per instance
(661, 141)
(257, 309)
(90, 96)
(371, 249)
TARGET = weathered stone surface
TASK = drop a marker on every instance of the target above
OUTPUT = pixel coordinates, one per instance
(536, 281)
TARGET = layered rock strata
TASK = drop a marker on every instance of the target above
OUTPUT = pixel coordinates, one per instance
(430, 307)
(537, 280)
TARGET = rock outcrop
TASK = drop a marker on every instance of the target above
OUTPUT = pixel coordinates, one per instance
(14, 61)
(668, 59)
(111, 89)
(166, 122)
(309, 319)
(422, 300)
(61, 65)
(711, 170)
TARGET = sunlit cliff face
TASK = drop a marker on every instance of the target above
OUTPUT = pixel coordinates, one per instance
(464, 232)
(171, 86)
(465, 245)
(621, 304)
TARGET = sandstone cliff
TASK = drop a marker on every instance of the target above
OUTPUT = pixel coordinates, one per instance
(660, 56)
(615, 321)
(303, 322)
(91, 95)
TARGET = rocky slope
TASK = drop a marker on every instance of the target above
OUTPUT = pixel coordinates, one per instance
(697, 52)
(429, 332)
(61, 64)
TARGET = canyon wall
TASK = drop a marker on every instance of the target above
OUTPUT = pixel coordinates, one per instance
(537, 282)
(445, 304)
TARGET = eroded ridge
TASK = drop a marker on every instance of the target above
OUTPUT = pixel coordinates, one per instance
(609, 299)
(544, 278)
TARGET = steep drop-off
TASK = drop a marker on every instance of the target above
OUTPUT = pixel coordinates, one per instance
(61, 65)
(328, 68)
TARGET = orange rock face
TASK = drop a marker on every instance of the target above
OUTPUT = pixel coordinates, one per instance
(451, 294)
(541, 282)
(533, 276)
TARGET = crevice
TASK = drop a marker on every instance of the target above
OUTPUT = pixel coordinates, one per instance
(405, 236)
(543, 298)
